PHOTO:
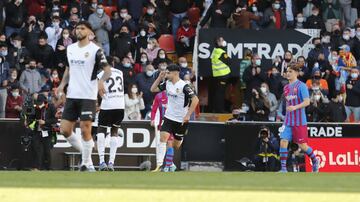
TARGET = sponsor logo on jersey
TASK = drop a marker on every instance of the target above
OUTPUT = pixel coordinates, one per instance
(87, 54)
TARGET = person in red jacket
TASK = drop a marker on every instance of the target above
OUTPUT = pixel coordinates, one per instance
(185, 38)
(14, 103)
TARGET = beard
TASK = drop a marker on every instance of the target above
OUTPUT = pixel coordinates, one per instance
(80, 37)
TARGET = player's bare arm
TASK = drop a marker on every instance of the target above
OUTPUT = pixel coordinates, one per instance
(105, 76)
(64, 82)
(155, 86)
(194, 103)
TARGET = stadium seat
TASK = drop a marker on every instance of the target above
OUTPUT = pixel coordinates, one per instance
(194, 15)
(166, 42)
(109, 9)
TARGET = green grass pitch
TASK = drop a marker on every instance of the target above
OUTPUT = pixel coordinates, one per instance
(180, 186)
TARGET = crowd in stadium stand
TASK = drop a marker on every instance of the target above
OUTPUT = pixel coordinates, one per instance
(135, 35)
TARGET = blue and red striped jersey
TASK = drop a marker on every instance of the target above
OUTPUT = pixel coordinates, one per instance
(295, 94)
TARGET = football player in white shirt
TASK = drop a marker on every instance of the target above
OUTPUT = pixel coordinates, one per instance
(84, 60)
(110, 117)
(182, 102)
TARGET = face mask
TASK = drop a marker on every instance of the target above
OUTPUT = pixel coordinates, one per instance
(15, 94)
(186, 25)
(315, 13)
(276, 6)
(150, 46)
(73, 23)
(301, 19)
(66, 36)
(263, 90)
(188, 82)
(316, 65)
(183, 65)
(354, 75)
(94, 5)
(4, 53)
(340, 99)
(55, 24)
(325, 40)
(317, 77)
(224, 44)
(123, 15)
(150, 11)
(55, 76)
(162, 67)
(149, 73)
(32, 67)
(142, 33)
(315, 88)
(127, 65)
(162, 56)
(334, 58)
(358, 34)
(254, 9)
(14, 77)
(317, 97)
(258, 62)
(346, 37)
(143, 60)
(100, 11)
(134, 90)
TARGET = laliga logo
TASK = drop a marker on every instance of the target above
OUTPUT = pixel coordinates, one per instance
(320, 157)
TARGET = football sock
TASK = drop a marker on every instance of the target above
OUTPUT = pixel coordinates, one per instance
(311, 154)
(283, 158)
(75, 141)
(169, 156)
(101, 146)
(161, 153)
(86, 154)
(113, 148)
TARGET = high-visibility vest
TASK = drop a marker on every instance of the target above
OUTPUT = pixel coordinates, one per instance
(218, 67)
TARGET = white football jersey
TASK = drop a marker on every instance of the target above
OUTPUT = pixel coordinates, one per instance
(179, 95)
(114, 86)
(84, 63)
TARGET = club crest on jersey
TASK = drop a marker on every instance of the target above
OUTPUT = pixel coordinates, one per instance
(177, 90)
(87, 54)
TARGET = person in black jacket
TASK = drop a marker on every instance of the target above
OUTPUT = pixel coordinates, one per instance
(219, 12)
(41, 126)
(17, 54)
(122, 43)
(276, 82)
(253, 77)
(179, 9)
(336, 110)
(353, 95)
(15, 16)
(259, 106)
(60, 51)
(315, 21)
(43, 53)
(31, 31)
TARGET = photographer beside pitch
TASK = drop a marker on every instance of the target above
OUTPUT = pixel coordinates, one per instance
(266, 158)
(182, 102)
(295, 125)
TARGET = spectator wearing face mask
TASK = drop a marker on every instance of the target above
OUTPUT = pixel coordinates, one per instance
(325, 40)
(276, 82)
(346, 60)
(71, 23)
(151, 20)
(4, 51)
(54, 80)
(134, 103)
(100, 23)
(43, 53)
(141, 41)
(347, 39)
(331, 13)
(243, 17)
(356, 46)
(218, 12)
(352, 103)
(141, 65)
(185, 69)
(162, 55)
(52, 7)
(152, 49)
(317, 83)
(17, 54)
(299, 21)
(128, 72)
(30, 79)
(185, 37)
(144, 80)
(315, 21)
(337, 71)
(309, 6)
(273, 103)
(54, 32)
(14, 103)
(135, 7)
(60, 51)
(122, 43)
(275, 17)
(124, 18)
(288, 58)
(304, 73)
(160, 68)
(253, 77)
(16, 13)
(316, 111)
(317, 50)
(4, 77)
(259, 106)
(336, 109)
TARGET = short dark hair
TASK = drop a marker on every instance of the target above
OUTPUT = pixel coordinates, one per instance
(173, 67)
(86, 24)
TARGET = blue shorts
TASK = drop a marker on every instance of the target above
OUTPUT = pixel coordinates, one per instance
(298, 133)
